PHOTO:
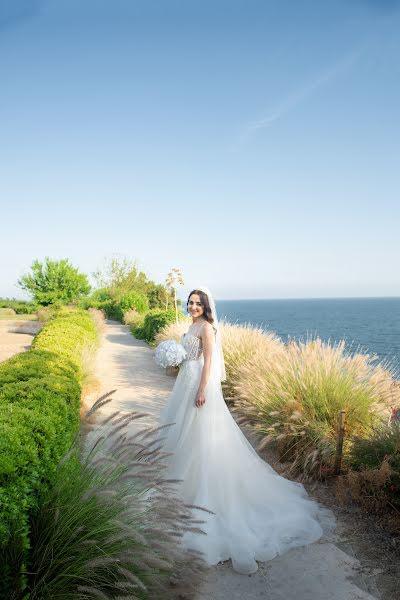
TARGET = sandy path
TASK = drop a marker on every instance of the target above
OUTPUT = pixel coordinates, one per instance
(16, 336)
(320, 571)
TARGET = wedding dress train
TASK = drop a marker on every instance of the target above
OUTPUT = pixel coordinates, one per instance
(257, 513)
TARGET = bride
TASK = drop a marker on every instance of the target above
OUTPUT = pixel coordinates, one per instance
(256, 513)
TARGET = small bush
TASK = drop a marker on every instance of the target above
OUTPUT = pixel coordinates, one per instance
(373, 479)
(133, 300)
(153, 322)
(46, 313)
(19, 306)
(114, 306)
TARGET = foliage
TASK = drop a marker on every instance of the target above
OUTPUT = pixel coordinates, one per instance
(67, 335)
(54, 281)
(20, 307)
(46, 313)
(120, 275)
(373, 479)
(368, 453)
(117, 280)
(39, 415)
(158, 296)
(98, 537)
(154, 321)
(133, 300)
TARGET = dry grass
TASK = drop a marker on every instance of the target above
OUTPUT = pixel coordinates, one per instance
(98, 318)
(90, 383)
(173, 331)
(293, 393)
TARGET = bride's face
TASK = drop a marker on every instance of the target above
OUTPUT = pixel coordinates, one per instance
(195, 306)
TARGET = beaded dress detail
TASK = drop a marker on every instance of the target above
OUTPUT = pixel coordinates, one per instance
(193, 344)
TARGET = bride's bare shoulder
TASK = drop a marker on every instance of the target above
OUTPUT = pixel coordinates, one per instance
(206, 328)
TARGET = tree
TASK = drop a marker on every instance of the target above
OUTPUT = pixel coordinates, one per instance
(54, 281)
(120, 276)
(174, 278)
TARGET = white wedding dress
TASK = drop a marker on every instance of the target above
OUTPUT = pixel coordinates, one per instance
(258, 513)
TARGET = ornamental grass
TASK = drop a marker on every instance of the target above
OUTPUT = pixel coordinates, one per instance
(100, 534)
(296, 399)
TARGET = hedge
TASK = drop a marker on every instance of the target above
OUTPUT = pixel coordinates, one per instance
(39, 417)
(114, 308)
(19, 306)
(153, 322)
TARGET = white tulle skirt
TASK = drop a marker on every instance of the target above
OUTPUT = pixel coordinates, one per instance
(258, 513)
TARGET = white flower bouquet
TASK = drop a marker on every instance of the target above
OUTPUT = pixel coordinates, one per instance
(169, 354)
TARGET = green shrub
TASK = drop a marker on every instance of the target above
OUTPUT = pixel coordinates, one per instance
(133, 300)
(114, 308)
(39, 417)
(154, 320)
(46, 313)
(368, 453)
(19, 306)
(96, 299)
(75, 328)
(373, 479)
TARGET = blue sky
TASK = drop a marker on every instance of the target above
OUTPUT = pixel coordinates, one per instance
(254, 144)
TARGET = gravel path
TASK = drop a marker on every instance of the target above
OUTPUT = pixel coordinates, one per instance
(321, 571)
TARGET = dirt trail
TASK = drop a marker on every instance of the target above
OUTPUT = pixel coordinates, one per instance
(16, 336)
(320, 571)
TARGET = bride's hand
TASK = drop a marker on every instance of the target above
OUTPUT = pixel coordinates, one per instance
(200, 399)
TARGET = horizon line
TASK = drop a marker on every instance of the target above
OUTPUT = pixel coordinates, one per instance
(311, 298)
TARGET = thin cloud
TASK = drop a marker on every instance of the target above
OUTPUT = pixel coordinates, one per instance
(299, 96)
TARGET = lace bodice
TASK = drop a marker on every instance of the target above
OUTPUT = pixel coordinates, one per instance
(192, 343)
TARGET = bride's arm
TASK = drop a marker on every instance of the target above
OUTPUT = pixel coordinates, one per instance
(207, 339)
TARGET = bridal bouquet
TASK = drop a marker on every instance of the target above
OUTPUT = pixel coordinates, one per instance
(169, 354)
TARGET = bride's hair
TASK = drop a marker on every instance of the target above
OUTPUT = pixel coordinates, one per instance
(205, 303)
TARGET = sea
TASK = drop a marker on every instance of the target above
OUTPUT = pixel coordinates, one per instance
(368, 325)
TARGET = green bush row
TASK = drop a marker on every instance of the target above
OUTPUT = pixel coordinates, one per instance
(39, 417)
(153, 322)
(114, 307)
(21, 307)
